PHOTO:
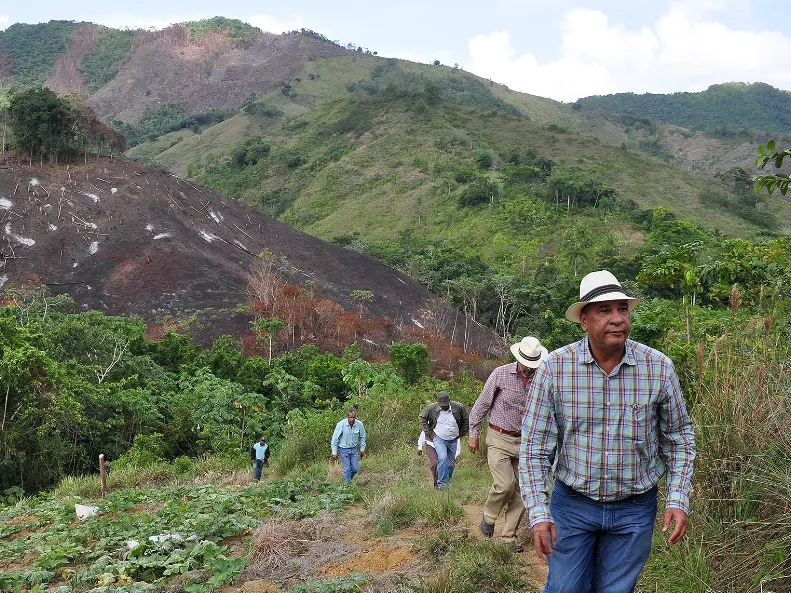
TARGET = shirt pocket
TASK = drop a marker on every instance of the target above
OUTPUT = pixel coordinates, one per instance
(638, 422)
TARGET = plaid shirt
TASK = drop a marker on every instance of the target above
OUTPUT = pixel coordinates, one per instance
(611, 436)
(505, 388)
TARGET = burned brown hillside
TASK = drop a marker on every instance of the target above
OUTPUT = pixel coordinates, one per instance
(126, 239)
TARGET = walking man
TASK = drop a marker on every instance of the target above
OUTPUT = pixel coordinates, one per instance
(503, 400)
(259, 455)
(347, 440)
(444, 422)
(609, 412)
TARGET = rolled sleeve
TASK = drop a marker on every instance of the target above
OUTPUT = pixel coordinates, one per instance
(482, 405)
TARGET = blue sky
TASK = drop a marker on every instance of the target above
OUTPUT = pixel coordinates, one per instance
(559, 50)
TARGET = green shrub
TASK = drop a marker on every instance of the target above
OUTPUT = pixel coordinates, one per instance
(307, 437)
(146, 450)
(182, 465)
(411, 361)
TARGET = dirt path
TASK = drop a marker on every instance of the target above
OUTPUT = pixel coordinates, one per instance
(535, 570)
(347, 544)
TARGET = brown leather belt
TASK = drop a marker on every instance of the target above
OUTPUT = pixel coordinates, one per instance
(510, 433)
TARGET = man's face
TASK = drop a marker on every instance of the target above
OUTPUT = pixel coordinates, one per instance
(444, 404)
(262, 442)
(351, 417)
(525, 371)
(607, 324)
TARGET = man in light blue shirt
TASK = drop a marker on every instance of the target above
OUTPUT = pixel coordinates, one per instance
(348, 438)
(259, 455)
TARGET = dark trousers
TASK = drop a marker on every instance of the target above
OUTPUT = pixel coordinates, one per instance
(258, 466)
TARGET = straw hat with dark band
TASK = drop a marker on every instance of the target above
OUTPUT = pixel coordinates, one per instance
(529, 352)
(596, 287)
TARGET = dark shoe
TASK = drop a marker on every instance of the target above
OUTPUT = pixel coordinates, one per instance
(486, 528)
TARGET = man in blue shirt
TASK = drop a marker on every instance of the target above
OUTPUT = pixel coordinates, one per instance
(259, 455)
(348, 438)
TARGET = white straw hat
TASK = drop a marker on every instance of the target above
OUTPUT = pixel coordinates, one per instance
(529, 352)
(596, 287)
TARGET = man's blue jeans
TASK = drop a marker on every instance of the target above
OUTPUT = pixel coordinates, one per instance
(601, 546)
(446, 460)
(350, 459)
(258, 465)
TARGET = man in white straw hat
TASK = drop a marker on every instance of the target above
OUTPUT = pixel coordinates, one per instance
(609, 413)
(503, 400)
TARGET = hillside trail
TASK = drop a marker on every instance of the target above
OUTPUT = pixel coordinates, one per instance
(354, 547)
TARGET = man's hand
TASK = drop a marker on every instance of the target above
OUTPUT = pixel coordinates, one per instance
(335, 457)
(678, 518)
(544, 537)
(420, 451)
(472, 444)
(362, 454)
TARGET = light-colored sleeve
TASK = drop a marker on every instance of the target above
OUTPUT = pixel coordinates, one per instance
(421, 440)
(336, 437)
(458, 448)
(362, 436)
(539, 442)
(483, 404)
(676, 443)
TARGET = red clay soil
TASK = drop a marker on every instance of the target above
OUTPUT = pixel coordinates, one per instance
(126, 239)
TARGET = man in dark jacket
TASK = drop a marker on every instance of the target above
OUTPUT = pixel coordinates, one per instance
(259, 455)
(444, 422)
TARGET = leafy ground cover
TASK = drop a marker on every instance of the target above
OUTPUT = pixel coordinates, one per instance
(142, 539)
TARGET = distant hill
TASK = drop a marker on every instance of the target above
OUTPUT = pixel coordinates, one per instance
(726, 109)
(196, 74)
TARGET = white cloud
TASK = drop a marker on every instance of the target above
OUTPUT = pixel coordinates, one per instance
(3, 22)
(686, 49)
(272, 25)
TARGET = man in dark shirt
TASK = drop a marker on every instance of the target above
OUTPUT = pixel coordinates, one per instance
(503, 400)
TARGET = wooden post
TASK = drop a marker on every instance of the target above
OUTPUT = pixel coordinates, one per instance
(103, 475)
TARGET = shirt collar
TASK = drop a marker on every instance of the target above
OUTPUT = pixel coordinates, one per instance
(585, 356)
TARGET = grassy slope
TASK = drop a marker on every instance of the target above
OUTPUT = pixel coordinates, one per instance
(390, 178)
(383, 167)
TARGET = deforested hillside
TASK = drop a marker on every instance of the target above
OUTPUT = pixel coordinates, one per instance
(124, 239)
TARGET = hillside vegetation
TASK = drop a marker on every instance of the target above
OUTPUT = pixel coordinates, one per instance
(495, 212)
(727, 109)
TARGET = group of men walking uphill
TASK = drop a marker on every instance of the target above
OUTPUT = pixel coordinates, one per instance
(604, 417)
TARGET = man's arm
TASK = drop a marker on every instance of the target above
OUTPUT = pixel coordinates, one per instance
(483, 404)
(362, 437)
(424, 424)
(539, 442)
(267, 452)
(677, 447)
(252, 453)
(336, 437)
(465, 421)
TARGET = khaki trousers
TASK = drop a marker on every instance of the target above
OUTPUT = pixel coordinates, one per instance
(503, 457)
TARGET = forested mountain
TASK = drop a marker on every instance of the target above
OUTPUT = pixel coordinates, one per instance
(726, 109)
(495, 199)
